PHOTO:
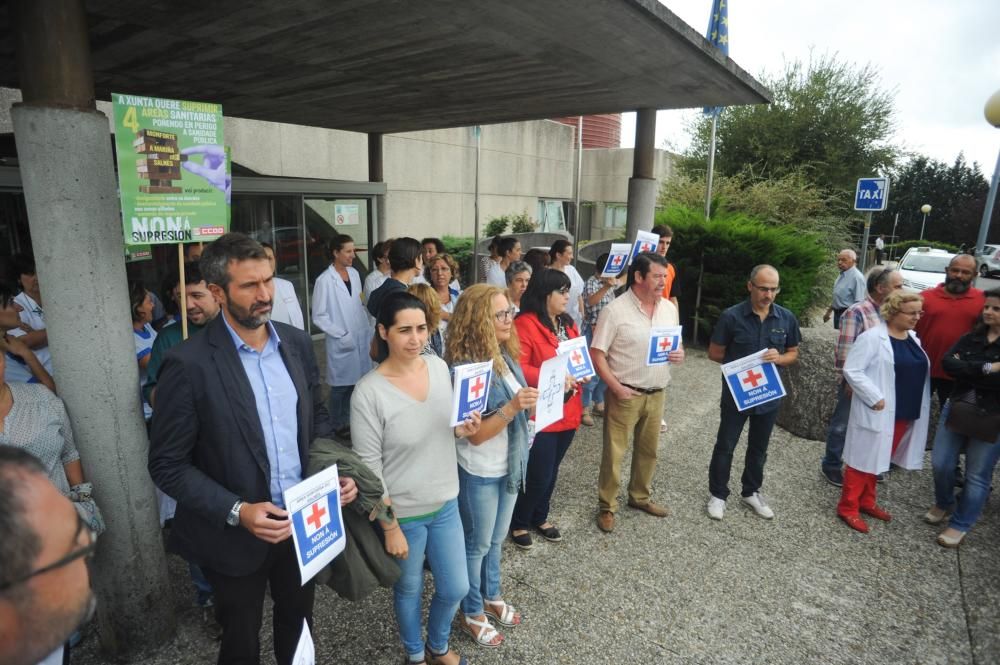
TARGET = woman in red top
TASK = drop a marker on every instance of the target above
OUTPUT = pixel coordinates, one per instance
(541, 325)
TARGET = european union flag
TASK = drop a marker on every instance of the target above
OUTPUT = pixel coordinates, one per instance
(718, 35)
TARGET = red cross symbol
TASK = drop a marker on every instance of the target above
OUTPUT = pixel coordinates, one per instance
(475, 389)
(617, 260)
(315, 519)
(665, 344)
(752, 378)
(576, 357)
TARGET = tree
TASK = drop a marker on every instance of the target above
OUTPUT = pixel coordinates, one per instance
(956, 194)
(830, 121)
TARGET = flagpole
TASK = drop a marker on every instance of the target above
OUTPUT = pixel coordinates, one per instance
(711, 166)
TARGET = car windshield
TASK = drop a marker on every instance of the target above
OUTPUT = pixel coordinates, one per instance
(926, 263)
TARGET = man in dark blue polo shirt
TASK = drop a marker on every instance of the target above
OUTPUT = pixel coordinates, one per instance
(755, 324)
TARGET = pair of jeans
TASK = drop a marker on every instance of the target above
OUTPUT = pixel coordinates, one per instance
(836, 431)
(547, 452)
(486, 508)
(340, 406)
(980, 459)
(440, 539)
(593, 390)
(731, 422)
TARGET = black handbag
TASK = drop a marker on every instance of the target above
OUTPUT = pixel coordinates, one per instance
(968, 418)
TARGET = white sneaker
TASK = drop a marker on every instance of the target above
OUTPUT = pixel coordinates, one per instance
(716, 508)
(759, 505)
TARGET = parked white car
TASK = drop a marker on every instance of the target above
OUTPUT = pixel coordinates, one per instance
(989, 260)
(924, 267)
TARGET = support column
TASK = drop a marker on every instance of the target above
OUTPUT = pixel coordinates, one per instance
(376, 208)
(642, 189)
(67, 170)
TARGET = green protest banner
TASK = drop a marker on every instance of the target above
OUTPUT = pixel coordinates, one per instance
(173, 172)
(138, 253)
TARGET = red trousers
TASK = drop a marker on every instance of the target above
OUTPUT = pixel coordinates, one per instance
(859, 487)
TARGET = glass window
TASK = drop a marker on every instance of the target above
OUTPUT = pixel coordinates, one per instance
(327, 217)
(551, 216)
(615, 216)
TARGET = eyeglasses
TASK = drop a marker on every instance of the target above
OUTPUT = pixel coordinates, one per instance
(505, 314)
(767, 289)
(84, 552)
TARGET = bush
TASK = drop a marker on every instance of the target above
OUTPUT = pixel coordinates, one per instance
(496, 226)
(899, 248)
(726, 248)
(522, 223)
(460, 249)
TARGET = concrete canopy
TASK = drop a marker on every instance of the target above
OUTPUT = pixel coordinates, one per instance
(395, 66)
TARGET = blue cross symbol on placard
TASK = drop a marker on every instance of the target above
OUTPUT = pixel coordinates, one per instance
(872, 194)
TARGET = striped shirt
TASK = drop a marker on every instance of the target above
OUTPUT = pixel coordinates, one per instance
(858, 318)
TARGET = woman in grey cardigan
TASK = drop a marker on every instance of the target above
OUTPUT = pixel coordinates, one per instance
(492, 462)
(400, 426)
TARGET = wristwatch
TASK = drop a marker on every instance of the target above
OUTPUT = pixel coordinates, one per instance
(987, 368)
(233, 519)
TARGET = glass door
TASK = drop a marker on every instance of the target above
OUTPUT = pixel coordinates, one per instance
(326, 217)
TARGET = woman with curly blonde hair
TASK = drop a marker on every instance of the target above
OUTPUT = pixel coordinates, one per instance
(493, 462)
(426, 294)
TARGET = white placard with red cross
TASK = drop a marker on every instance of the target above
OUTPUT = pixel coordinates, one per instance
(472, 389)
(662, 341)
(753, 382)
(317, 524)
(645, 241)
(617, 259)
(579, 363)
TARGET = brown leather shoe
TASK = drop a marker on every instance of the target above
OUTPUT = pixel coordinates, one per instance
(651, 508)
(606, 521)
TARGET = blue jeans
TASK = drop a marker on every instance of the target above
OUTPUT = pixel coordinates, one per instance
(836, 431)
(980, 460)
(486, 507)
(731, 422)
(593, 390)
(439, 538)
(547, 452)
(340, 405)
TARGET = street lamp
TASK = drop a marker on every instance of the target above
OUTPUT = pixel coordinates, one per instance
(992, 113)
(926, 209)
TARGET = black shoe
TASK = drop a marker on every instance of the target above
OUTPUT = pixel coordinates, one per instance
(523, 541)
(550, 534)
(833, 476)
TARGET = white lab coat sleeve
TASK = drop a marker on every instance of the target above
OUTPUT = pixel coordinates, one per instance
(863, 352)
(324, 308)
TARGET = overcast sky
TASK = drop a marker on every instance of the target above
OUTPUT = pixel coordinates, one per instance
(942, 58)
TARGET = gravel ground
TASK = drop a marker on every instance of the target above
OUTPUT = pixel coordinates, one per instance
(685, 589)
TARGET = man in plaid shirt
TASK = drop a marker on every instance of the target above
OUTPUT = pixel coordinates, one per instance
(856, 319)
(598, 292)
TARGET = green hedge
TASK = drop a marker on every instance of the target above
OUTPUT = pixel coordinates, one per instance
(730, 245)
(899, 248)
(460, 249)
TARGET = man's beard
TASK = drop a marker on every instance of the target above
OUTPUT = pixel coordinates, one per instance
(956, 285)
(47, 630)
(250, 319)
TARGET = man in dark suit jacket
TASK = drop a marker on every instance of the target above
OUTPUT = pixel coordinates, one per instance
(239, 406)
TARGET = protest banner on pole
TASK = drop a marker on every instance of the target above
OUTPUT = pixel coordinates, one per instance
(662, 341)
(173, 174)
(578, 355)
(472, 389)
(618, 257)
(753, 382)
(317, 524)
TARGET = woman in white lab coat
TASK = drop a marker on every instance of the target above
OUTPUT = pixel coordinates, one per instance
(337, 311)
(889, 373)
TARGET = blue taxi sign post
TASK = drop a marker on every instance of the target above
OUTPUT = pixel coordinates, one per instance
(871, 195)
